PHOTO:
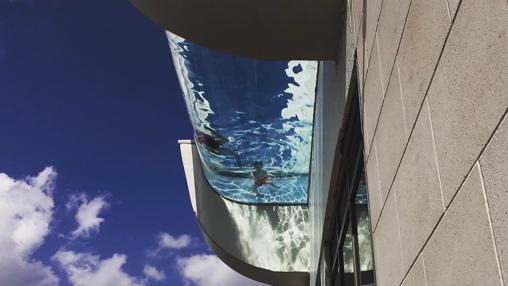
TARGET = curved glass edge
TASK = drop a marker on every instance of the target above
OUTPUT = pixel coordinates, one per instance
(252, 122)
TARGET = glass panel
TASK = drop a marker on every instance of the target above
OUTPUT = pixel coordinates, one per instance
(348, 258)
(347, 252)
(252, 120)
(364, 233)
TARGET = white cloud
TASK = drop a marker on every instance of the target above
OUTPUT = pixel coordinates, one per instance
(85, 269)
(208, 270)
(87, 215)
(166, 240)
(26, 210)
(153, 273)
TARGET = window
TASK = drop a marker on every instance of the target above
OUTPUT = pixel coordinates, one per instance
(252, 121)
(352, 247)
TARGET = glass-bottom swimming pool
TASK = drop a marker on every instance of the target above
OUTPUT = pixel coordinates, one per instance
(252, 122)
(239, 187)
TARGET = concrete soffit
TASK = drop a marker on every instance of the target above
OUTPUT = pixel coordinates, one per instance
(261, 29)
(275, 278)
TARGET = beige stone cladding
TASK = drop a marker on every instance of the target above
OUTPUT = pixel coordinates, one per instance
(433, 78)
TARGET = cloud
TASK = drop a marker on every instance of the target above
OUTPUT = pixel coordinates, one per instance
(85, 269)
(87, 215)
(167, 241)
(26, 210)
(208, 270)
(153, 273)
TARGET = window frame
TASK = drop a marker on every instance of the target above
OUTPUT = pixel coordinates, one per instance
(349, 175)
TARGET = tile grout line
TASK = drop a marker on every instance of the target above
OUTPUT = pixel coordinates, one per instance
(380, 73)
(448, 9)
(400, 238)
(435, 154)
(424, 270)
(379, 187)
(484, 193)
(376, 42)
(375, 32)
(422, 103)
(402, 98)
(353, 24)
(352, 20)
(359, 29)
(459, 188)
(392, 64)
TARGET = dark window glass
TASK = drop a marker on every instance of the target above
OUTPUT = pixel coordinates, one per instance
(355, 263)
(363, 227)
(363, 233)
(347, 252)
(354, 256)
(348, 256)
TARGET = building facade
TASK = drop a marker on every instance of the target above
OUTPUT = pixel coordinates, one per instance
(434, 86)
(388, 164)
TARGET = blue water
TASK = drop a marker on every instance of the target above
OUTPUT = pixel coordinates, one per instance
(257, 111)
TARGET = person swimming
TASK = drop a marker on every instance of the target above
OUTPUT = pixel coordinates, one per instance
(261, 177)
(215, 142)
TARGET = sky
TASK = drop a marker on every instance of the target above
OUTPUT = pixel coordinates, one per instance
(92, 189)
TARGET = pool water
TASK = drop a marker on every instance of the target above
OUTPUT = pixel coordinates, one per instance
(246, 112)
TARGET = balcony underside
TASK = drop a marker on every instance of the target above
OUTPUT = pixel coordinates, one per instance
(261, 29)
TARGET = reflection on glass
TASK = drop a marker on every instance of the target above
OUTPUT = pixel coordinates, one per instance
(252, 121)
(348, 258)
(363, 234)
(363, 223)
(347, 252)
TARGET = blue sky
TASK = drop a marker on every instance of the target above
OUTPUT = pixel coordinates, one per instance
(88, 87)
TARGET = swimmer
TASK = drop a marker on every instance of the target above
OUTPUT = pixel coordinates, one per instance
(261, 177)
(215, 144)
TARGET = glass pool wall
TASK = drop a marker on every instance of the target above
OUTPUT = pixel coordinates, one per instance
(249, 114)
